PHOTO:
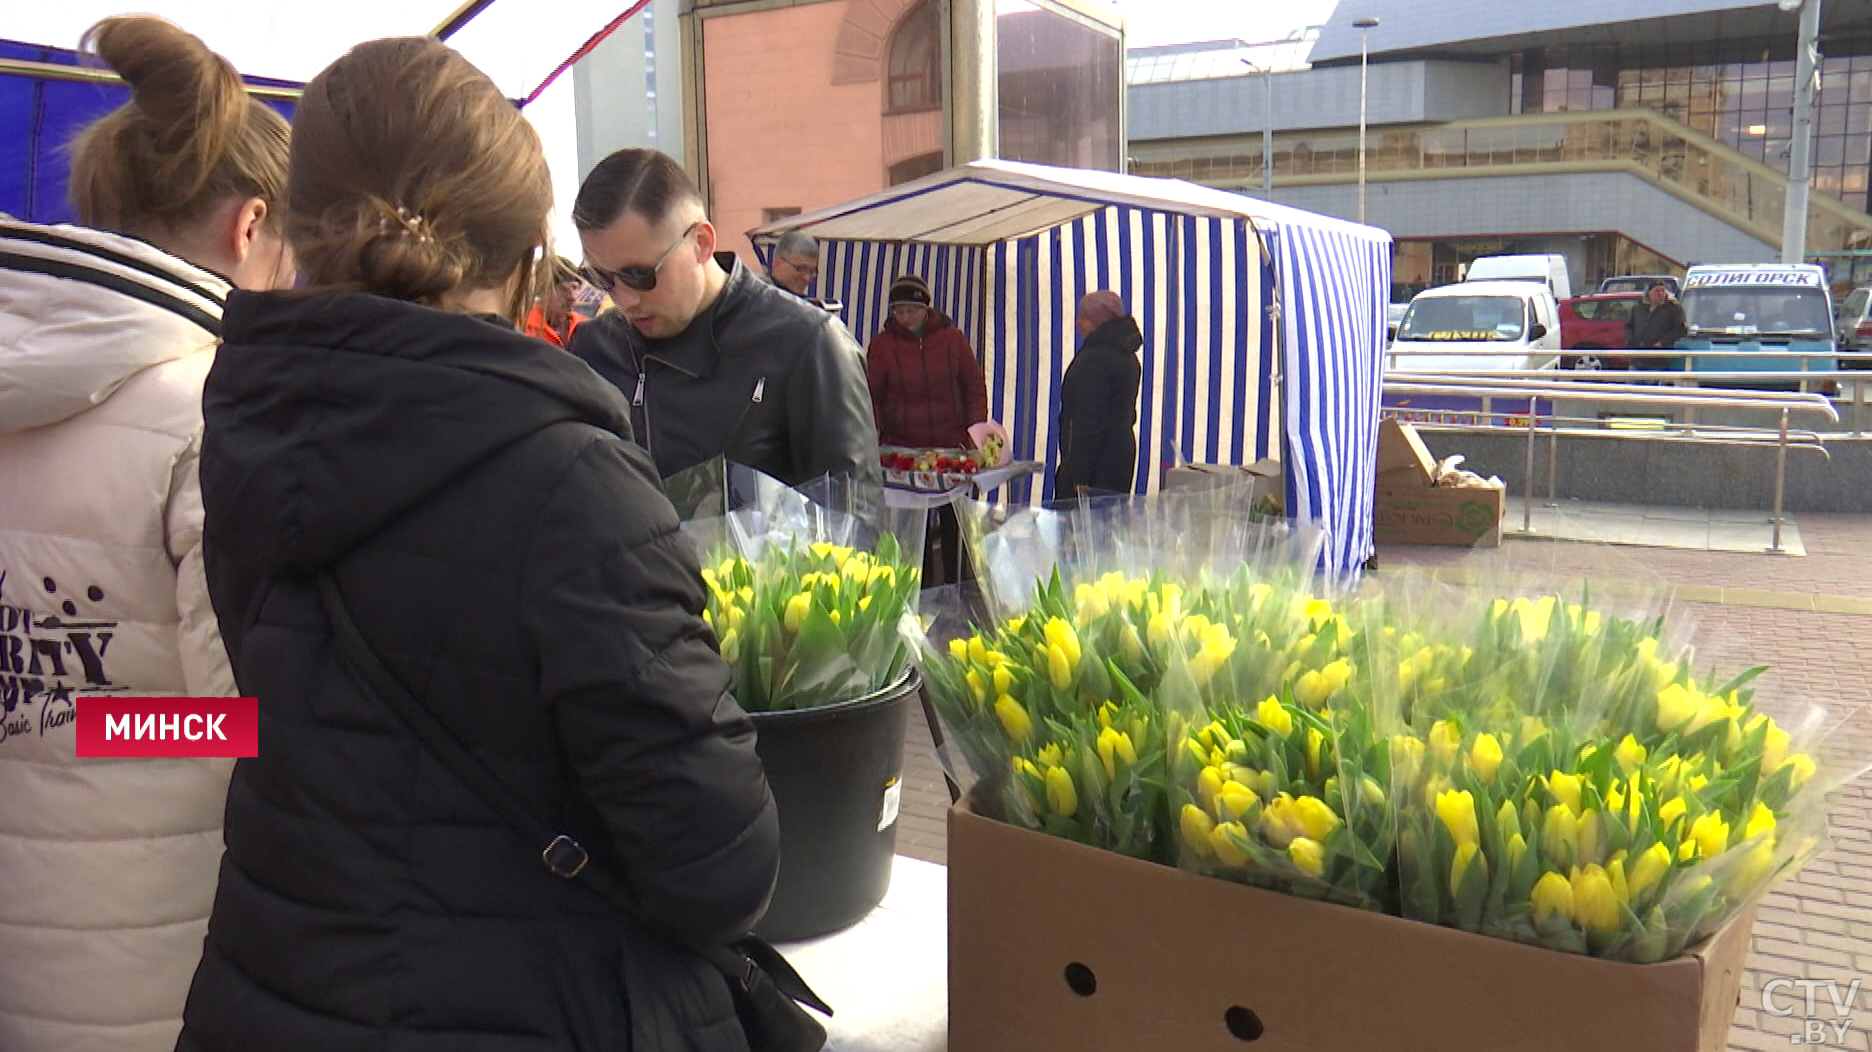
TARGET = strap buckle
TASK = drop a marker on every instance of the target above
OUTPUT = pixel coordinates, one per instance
(565, 857)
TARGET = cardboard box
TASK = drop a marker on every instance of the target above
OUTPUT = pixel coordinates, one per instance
(1264, 478)
(1403, 459)
(1463, 516)
(1058, 947)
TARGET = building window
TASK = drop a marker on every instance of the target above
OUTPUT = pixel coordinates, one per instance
(774, 215)
(916, 167)
(914, 80)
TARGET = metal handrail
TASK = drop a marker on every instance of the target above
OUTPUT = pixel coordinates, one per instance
(1474, 386)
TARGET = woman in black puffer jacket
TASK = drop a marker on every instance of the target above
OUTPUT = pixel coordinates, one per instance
(506, 549)
(1098, 403)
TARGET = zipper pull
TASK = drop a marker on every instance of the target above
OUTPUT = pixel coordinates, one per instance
(759, 389)
(637, 399)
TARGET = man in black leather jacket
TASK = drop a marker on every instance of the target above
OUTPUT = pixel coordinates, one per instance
(713, 359)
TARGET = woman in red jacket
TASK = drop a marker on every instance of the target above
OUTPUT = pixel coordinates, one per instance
(926, 389)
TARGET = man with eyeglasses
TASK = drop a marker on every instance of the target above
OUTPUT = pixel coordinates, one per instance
(714, 360)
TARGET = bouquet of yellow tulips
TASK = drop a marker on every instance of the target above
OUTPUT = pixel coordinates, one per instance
(1563, 782)
(810, 589)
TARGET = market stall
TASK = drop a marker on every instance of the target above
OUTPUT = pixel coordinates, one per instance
(1263, 325)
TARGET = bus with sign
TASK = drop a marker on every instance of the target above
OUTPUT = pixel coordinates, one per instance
(1760, 307)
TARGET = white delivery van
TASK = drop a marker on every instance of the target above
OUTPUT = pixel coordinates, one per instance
(1515, 324)
(1550, 271)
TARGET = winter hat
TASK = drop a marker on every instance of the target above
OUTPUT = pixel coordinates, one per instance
(1100, 307)
(910, 290)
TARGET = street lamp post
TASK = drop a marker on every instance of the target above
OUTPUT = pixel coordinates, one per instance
(1364, 26)
(1267, 128)
(1800, 153)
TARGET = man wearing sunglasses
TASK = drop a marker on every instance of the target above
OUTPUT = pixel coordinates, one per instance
(715, 360)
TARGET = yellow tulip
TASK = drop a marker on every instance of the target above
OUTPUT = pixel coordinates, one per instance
(1062, 798)
(1196, 826)
(1595, 904)
(1113, 746)
(977, 650)
(1315, 817)
(1566, 789)
(1312, 689)
(1059, 633)
(1318, 611)
(1051, 753)
(1003, 680)
(1762, 821)
(1280, 822)
(1370, 791)
(1445, 740)
(1059, 669)
(1090, 601)
(1022, 766)
(1552, 897)
(1774, 745)
(978, 686)
(1672, 810)
(1589, 837)
(1014, 718)
(1161, 631)
(1210, 659)
(1485, 757)
(1465, 857)
(1649, 869)
(1130, 645)
(1209, 784)
(796, 608)
(1315, 742)
(1274, 716)
(1517, 847)
(1308, 856)
(1234, 801)
(1710, 833)
(1558, 834)
(1224, 840)
(1803, 766)
(731, 646)
(1406, 758)
(1629, 754)
(1757, 865)
(1615, 872)
(1457, 810)
(1676, 707)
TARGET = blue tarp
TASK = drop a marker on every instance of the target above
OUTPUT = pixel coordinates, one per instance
(40, 116)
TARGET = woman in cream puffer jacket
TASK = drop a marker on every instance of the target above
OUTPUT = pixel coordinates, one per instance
(108, 866)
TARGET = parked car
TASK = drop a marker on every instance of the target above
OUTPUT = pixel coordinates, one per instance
(1497, 324)
(1641, 283)
(1394, 314)
(1780, 311)
(1596, 323)
(1854, 322)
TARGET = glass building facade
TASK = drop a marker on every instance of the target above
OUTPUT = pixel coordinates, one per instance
(1739, 93)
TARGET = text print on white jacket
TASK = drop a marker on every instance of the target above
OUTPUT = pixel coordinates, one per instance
(109, 865)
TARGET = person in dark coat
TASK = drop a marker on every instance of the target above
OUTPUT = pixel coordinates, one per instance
(716, 360)
(926, 385)
(505, 547)
(1655, 323)
(1098, 402)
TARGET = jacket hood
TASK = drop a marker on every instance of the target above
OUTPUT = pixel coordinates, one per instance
(330, 415)
(81, 311)
(938, 321)
(1121, 333)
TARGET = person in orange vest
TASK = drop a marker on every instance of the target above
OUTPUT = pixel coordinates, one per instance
(552, 318)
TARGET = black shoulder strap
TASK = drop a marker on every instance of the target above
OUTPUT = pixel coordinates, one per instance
(559, 852)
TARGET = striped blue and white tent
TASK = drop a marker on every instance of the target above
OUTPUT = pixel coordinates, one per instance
(1263, 325)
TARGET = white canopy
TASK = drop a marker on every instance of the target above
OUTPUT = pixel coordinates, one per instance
(989, 201)
(520, 44)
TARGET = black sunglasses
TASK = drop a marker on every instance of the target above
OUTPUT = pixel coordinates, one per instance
(639, 278)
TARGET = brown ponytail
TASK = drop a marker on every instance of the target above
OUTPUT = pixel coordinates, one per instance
(413, 177)
(189, 139)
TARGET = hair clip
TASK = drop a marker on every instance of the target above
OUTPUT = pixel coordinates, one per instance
(417, 227)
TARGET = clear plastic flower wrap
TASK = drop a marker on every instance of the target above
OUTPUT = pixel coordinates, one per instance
(1565, 777)
(809, 587)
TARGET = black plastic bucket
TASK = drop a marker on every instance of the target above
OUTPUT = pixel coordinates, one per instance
(837, 778)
